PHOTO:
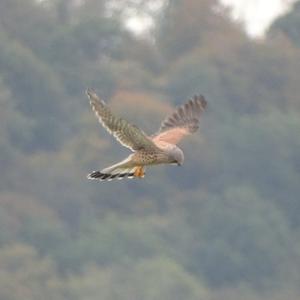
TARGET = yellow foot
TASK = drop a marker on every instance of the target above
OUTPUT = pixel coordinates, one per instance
(139, 172)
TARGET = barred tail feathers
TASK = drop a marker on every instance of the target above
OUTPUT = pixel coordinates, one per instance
(121, 170)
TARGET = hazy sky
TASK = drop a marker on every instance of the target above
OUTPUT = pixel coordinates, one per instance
(257, 14)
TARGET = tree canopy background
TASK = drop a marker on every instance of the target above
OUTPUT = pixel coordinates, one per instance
(224, 226)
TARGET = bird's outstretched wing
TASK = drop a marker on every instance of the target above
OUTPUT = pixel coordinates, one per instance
(127, 134)
(184, 121)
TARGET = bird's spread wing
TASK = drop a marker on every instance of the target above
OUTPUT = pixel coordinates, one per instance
(182, 122)
(127, 134)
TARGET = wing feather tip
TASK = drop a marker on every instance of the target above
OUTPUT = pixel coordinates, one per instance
(90, 93)
(200, 99)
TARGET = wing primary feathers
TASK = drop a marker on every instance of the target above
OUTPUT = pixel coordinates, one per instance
(188, 112)
(127, 134)
(182, 122)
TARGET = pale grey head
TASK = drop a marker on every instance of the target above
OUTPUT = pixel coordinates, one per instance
(177, 156)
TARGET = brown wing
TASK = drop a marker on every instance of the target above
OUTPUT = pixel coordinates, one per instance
(184, 121)
(127, 134)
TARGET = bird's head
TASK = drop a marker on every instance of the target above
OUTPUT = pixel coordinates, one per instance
(177, 156)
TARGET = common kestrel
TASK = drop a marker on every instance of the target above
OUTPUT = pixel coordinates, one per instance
(159, 148)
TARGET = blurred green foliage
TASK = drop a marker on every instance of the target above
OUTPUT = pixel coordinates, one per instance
(224, 226)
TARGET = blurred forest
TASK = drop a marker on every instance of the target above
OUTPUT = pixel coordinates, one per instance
(223, 226)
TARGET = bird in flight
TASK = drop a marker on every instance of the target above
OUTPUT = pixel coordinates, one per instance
(160, 148)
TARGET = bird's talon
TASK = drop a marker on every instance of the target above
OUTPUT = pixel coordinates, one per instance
(139, 172)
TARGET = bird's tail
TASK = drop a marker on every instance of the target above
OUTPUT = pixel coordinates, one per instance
(118, 171)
